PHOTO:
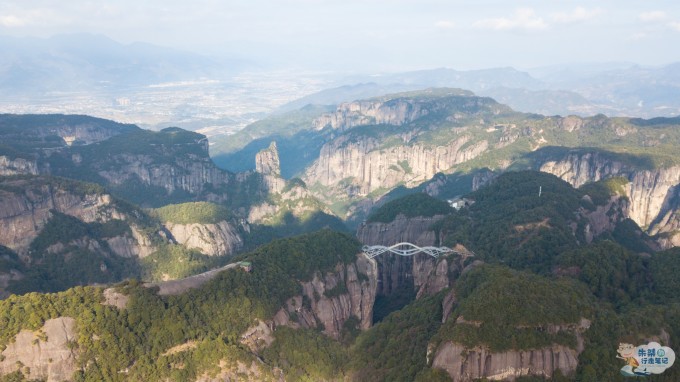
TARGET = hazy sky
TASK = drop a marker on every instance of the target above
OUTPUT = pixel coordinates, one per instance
(374, 34)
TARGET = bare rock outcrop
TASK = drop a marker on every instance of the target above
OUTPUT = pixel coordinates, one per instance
(267, 161)
(415, 230)
(135, 245)
(464, 364)
(372, 112)
(370, 168)
(15, 166)
(653, 194)
(218, 239)
(26, 204)
(175, 287)
(114, 298)
(258, 337)
(424, 273)
(243, 371)
(45, 354)
(329, 300)
(570, 123)
(471, 363)
(189, 174)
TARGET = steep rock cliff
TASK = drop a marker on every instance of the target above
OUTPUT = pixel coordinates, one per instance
(267, 161)
(472, 363)
(45, 354)
(653, 194)
(218, 239)
(27, 204)
(464, 364)
(666, 228)
(425, 274)
(329, 300)
(186, 174)
(372, 112)
(369, 169)
(283, 197)
(16, 166)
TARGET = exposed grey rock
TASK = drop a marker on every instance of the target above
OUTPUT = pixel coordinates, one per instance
(23, 213)
(415, 230)
(114, 298)
(258, 337)
(315, 308)
(392, 112)
(464, 364)
(654, 195)
(647, 190)
(267, 161)
(370, 168)
(424, 273)
(45, 356)
(189, 174)
(211, 239)
(175, 287)
(14, 166)
(26, 205)
(468, 364)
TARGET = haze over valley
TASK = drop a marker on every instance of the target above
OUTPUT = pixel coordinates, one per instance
(339, 191)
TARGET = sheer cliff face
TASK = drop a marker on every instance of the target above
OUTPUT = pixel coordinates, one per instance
(218, 239)
(468, 364)
(44, 355)
(329, 300)
(267, 161)
(190, 174)
(16, 166)
(358, 113)
(425, 274)
(26, 205)
(118, 155)
(383, 154)
(464, 364)
(653, 194)
(371, 168)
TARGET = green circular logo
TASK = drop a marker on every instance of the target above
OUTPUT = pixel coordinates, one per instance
(660, 353)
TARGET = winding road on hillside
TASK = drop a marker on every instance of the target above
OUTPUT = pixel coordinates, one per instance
(175, 287)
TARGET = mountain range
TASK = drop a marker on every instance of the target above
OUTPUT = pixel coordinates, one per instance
(33, 67)
(153, 263)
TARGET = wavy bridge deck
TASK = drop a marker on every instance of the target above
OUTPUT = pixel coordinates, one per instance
(408, 249)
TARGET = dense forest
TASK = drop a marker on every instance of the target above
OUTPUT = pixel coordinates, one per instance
(540, 277)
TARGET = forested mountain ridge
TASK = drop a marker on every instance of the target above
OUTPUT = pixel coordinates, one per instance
(358, 154)
(44, 160)
(317, 295)
(578, 240)
(57, 233)
(549, 272)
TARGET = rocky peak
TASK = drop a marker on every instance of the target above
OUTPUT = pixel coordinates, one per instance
(267, 161)
(329, 300)
(372, 112)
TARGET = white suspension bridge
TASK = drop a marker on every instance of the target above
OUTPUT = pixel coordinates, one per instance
(409, 249)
